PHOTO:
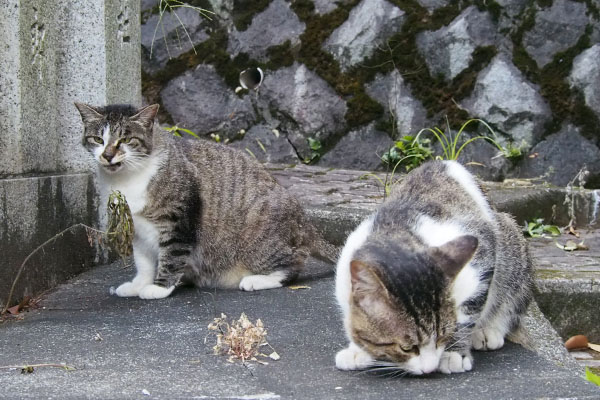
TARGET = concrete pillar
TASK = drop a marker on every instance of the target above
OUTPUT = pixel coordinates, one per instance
(53, 53)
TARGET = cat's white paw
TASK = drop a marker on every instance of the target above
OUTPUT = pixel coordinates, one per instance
(487, 339)
(351, 358)
(259, 282)
(155, 292)
(453, 362)
(128, 289)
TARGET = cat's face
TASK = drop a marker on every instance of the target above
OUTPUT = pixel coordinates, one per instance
(403, 314)
(119, 137)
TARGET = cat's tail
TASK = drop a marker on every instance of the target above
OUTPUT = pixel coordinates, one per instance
(320, 248)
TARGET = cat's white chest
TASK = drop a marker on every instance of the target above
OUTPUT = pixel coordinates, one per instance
(133, 185)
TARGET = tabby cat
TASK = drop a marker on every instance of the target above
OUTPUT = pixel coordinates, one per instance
(203, 213)
(432, 274)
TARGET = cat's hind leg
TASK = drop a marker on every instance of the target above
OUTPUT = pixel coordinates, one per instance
(260, 282)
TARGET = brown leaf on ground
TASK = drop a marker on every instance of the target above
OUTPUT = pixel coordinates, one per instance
(573, 232)
(595, 347)
(297, 287)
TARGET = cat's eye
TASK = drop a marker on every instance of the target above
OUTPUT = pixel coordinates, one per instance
(95, 139)
(410, 349)
(126, 141)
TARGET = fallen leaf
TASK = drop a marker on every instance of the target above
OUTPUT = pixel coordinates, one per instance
(573, 232)
(477, 164)
(297, 287)
(27, 370)
(572, 246)
(14, 310)
(595, 347)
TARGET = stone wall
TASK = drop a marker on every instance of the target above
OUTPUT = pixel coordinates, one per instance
(357, 74)
(54, 53)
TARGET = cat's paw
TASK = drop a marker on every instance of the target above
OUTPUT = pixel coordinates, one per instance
(351, 358)
(127, 289)
(259, 282)
(155, 292)
(487, 339)
(453, 362)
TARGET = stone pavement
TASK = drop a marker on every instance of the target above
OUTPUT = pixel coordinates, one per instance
(157, 350)
(131, 348)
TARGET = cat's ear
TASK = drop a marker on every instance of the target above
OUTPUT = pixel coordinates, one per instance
(145, 116)
(365, 280)
(88, 113)
(454, 255)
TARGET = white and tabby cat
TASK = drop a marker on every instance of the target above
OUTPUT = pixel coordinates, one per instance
(203, 213)
(432, 274)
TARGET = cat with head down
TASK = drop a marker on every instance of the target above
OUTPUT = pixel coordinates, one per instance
(434, 273)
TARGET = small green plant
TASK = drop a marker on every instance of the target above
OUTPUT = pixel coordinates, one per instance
(170, 6)
(409, 152)
(176, 131)
(537, 228)
(450, 143)
(315, 150)
(592, 377)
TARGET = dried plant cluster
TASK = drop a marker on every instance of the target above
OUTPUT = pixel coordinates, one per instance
(241, 339)
(120, 224)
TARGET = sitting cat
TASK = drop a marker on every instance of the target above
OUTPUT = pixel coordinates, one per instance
(203, 213)
(433, 273)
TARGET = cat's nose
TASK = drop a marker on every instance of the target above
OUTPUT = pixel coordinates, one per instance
(108, 156)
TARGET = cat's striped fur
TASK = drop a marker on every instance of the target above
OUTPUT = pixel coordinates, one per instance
(203, 212)
(434, 273)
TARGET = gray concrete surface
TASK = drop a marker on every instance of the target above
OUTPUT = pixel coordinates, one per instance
(157, 350)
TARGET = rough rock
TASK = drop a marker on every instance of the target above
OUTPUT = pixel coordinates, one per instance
(397, 99)
(148, 4)
(359, 149)
(585, 76)
(302, 96)
(503, 97)
(199, 100)
(274, 26)
(561, 156)
(369, 24)
(484, 160)
(324, 6)
(165, 39)
(448, 51)
(513, 7)
(556, 29)
(267, 146)
(432, 5)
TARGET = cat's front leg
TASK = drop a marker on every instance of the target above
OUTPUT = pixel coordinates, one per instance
(145, 266)
(453, 362)
(488, 338)
(353, 358)
(457, 358)
(173, 256)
